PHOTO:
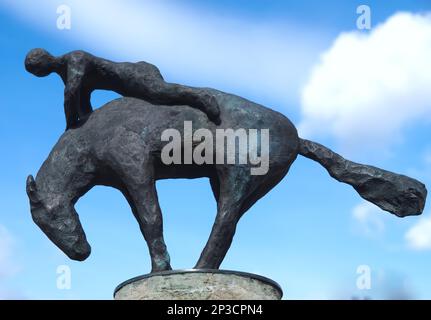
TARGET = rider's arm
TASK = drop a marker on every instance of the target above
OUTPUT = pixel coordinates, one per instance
(72, 93)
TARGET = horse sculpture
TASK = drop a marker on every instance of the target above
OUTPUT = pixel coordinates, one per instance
(120, 146)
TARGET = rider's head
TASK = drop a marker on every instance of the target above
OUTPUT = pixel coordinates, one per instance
(40, 62)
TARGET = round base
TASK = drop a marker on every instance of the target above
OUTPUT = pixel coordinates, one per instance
(199, 284)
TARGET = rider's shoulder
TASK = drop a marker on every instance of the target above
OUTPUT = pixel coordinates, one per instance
(78, 56)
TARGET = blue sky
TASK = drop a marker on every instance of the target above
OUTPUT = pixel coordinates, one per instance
(365, 92)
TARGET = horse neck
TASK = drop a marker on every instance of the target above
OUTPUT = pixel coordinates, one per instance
(67, 173)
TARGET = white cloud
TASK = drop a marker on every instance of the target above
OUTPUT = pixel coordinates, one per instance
(418, 237)
(263, 58)
(367, 219)
(369, 86)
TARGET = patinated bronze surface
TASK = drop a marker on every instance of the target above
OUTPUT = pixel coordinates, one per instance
(119, 145)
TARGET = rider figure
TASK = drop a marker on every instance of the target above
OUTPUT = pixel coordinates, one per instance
(82, 73)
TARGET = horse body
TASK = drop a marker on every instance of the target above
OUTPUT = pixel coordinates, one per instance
(120, 146)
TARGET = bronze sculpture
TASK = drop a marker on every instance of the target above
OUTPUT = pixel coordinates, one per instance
(120, 145)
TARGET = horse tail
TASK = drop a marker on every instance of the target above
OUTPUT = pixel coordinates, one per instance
(395, 193)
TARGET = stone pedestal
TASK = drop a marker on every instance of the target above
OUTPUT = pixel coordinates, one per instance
(196, 284)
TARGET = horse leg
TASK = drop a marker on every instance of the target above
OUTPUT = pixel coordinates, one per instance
(235, 193)
(136, 174)
(234, 187)
(146, 209)
(149, 217)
